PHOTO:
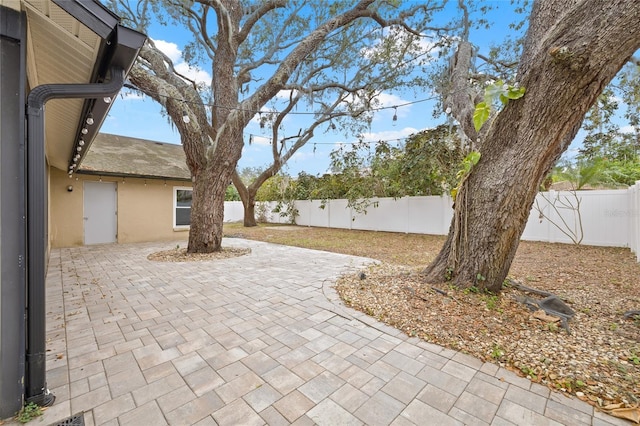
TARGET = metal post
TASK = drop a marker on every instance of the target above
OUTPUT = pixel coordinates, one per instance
(13, 38)
(36, 388)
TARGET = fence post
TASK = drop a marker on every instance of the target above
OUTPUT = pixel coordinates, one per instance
(408, 216)
(634, 218)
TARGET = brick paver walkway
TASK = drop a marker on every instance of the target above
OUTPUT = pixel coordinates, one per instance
(258, 339)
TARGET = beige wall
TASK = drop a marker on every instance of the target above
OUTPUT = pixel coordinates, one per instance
(65, 210)
(145, 209)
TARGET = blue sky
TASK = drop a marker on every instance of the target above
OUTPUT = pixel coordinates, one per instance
(139, 116)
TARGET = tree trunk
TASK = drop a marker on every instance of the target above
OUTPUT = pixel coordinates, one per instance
(248, 200)
(207, 212)
(563, 75)
(250, 210)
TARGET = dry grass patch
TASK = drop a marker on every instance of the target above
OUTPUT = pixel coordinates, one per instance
(402, 249)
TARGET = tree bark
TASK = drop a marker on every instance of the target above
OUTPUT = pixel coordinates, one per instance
(563, 70)
(248, 199)
(249, 219)
(209, 190)
(207, 213)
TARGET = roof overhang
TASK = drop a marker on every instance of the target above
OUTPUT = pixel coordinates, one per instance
(75, 42)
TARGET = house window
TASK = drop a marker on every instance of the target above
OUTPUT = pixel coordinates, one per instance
(182, 207)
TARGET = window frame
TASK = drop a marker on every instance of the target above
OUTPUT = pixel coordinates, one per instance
(175, 206)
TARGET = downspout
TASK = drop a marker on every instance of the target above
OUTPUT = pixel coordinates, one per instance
(36, 389)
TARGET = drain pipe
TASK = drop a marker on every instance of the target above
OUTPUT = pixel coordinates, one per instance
(37, 212)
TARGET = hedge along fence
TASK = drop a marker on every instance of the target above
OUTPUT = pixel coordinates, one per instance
(599, 218)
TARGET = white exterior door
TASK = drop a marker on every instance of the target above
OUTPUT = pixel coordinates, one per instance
(100, 213)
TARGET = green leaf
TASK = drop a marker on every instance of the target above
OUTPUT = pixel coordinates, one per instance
(492, 91)
(515, 92)
(473, 157)
(481, 115)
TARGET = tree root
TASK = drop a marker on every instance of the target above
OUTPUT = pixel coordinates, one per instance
(631, 314)
(521, 287)
(551, 304)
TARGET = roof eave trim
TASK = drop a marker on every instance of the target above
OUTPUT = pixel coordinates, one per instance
(92, 14)
(129, 175)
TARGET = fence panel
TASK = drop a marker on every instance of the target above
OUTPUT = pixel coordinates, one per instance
(233, 211)
(383, 214)
(609, 218)
(430, 215)
(633, 210)
(318, 215)
(597, 222)
(340, 215)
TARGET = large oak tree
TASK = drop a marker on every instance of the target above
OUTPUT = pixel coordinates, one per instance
(572, 50)
(332, 58)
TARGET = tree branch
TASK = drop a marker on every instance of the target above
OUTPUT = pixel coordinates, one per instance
(461, 98)
(494, 62)
(256, 13)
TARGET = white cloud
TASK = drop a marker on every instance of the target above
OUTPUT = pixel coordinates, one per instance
(383, 103)
(389, 135)
(199, 75)
(616, 99)
(265, 114)
(285, 94)
(389, 100)
(303, 156)
(170, 49)
(174, 53)
(627, 129)
(260, 140)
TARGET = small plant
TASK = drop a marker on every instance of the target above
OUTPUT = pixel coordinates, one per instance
(448, 275)
(613, 326)
(575, 233)
(570, 384)
(287, 209)
(28, 413)
(495, 91)
(529, 372)
(473, 289)
(552, 326)
(262, 212)
(491, 301)
(465, 170)
(480, 277)
(497, 352)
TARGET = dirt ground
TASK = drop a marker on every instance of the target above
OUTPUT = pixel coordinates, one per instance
(597, 358)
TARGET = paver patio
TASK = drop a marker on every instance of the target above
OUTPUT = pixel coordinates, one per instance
(257, 339)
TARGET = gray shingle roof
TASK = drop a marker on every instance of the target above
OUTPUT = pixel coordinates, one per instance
(126, 156)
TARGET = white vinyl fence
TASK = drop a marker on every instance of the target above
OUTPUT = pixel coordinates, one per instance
(608, 217)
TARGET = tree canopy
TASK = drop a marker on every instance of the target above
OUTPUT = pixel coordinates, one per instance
(334, 58)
